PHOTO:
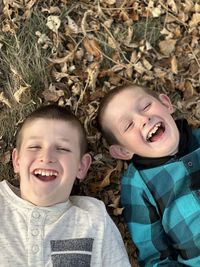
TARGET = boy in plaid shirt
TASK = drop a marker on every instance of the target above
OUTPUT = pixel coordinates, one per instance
(160, 190)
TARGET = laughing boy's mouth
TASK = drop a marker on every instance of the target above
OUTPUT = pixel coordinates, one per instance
(45, 175)
(155, 133)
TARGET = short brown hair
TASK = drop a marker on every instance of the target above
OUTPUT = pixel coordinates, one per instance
(54, 112)
(107, 133)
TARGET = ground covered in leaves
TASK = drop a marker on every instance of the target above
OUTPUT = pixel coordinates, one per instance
(73, 52)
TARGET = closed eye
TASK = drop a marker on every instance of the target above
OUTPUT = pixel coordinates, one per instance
(34, 147)
(129, 126)
(147, 106)
(63, 149)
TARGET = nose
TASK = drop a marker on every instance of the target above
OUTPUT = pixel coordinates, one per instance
(142, 120)
(47, 156)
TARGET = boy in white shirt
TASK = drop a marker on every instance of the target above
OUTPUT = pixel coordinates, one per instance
(41, 225)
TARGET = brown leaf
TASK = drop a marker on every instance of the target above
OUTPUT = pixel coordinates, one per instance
(167, 46)
(93, 48)
(173, 6)
(51, 94)
(118, 211)
(174, 67)
(5, 158)
(195, 20)
(188, 90)
(67, 58)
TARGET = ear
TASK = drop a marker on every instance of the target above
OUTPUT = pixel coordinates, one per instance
(84, 166)
(119, 152)
(166, 102)
(15, 160)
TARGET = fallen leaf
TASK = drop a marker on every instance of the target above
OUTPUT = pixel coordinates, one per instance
(4, 100)
(93, 48)
(51, 94)
(72, 25)
(109, 2)
(67, 58)
(93, 71)
(188, 90)
(174, 67)
(22, 94)
(5, 157)
(195, 20)
(118, 211)
(53, 23)
(167, 46)
(156, 11)
(173, 5)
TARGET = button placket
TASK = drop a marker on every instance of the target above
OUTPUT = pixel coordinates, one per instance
(35, 233)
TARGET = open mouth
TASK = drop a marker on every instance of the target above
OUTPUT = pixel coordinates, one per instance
(45, 175)
(156, 132)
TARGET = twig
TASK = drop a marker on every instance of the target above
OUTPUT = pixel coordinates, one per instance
(194, 55)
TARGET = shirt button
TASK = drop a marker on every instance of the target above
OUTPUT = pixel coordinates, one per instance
(35, 232)
(190, 163)
(35, 214)
(35, 248)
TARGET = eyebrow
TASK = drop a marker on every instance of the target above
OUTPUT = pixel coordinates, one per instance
(41, 137)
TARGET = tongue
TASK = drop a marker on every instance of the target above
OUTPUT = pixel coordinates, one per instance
(157, 135)
(46, 178)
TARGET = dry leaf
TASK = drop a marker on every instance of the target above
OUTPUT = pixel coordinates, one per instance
(5, 158)
(93, 48)
(139, 68)
(188, 6)
(67, 58)
(51, 94)
(188, 90)
(4, 100)
(118, 211)
(174, 67)
(115, 203)
(197, 7)
(72, 25)
(167, 46)
(109, 2)
(93, 71)
(21, 96)
(53, 23)
(195, 20)
(146, 64)
(106, 180)
(156, 11)
(173, 6)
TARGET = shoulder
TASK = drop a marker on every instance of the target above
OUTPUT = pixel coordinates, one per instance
(133, 178)
(88, 204)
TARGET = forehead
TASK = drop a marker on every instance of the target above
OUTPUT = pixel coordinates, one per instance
(42, 126)
(124, 100)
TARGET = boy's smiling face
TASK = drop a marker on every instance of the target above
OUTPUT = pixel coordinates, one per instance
(142, 124)
(49, 161)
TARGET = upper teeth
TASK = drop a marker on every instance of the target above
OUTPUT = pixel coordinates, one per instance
(153, 130)
(45, 172)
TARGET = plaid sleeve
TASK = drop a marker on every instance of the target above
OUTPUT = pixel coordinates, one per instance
(144, 224)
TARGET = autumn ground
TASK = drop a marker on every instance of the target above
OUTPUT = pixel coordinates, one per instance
(73, 52)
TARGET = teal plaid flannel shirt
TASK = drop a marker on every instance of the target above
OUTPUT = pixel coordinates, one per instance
(162, 210)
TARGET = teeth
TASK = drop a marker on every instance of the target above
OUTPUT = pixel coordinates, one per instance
(153, 131)
(45, 172)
